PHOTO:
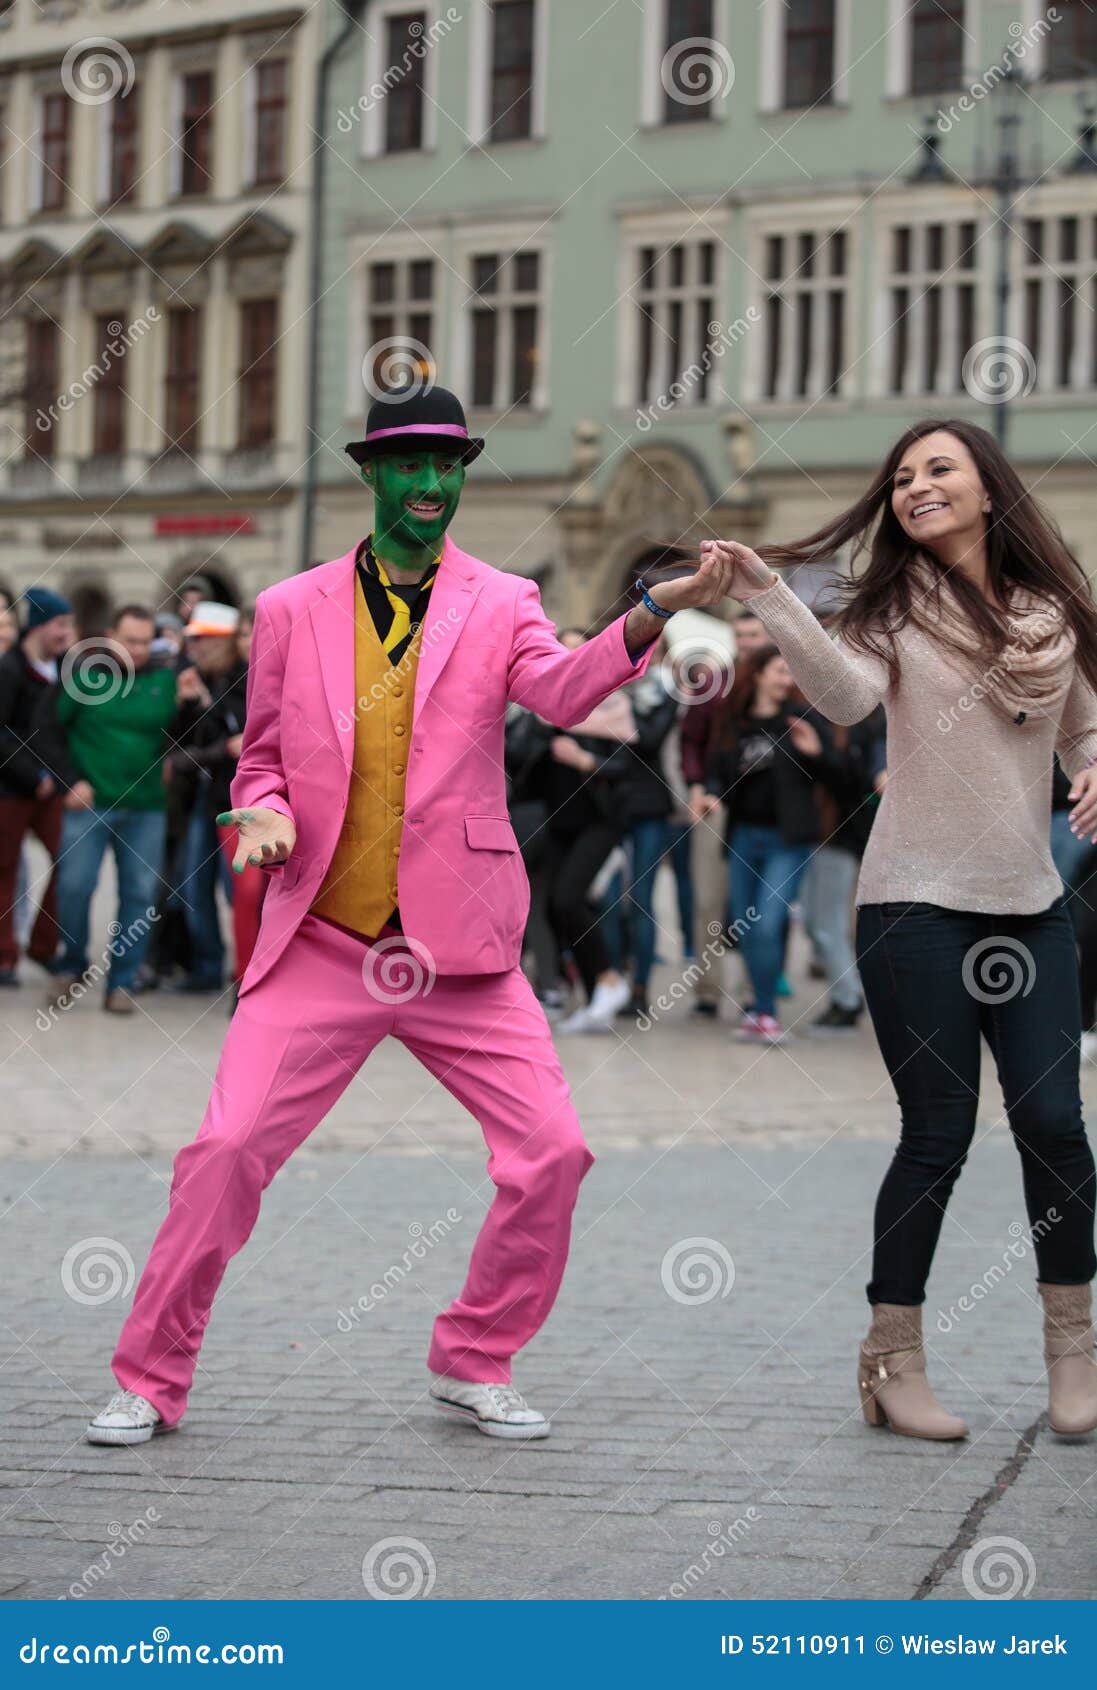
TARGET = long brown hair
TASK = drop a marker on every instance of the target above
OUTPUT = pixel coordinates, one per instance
(733, 710)
(1024, 546)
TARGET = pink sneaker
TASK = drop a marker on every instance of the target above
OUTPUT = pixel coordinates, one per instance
(761, 1030)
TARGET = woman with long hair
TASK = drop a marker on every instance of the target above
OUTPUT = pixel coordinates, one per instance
(767, 756)
(974, 624)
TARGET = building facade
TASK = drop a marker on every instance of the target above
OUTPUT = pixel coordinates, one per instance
(693, 265)
(155, 202)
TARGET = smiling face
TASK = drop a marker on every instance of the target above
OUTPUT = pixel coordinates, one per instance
(415, 497)
(938, 496)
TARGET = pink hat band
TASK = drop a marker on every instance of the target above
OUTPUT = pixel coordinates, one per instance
(453, 429)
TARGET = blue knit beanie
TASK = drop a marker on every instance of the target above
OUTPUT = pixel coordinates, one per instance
(43, 604)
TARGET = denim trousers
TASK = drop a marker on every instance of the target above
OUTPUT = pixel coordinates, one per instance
(136, 838)
(765, 878)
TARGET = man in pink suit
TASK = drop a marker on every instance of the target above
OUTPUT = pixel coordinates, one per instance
(371, 786)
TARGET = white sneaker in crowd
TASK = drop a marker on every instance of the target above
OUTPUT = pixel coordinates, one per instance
(127, 1419)
(598, 1015)
(499, 1411)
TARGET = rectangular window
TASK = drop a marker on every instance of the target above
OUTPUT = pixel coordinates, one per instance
(510, 94)
(109, 394)
(270, 120)
(182, 379)
(400, 320)
(809, 52)
(807, 277)
(505, 326)
(257, 383)
(405, 61)
(1059, 262)
(42, 377)
(675, 299)
(55, 151)
(196, 133)
(933, 306)
(1071, 47)
(936, 45)
(122, 168)
(690, 78)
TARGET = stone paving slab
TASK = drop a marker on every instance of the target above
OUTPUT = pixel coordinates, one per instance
(705, 1446)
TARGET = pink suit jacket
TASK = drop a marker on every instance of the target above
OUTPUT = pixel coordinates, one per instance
(486, 641)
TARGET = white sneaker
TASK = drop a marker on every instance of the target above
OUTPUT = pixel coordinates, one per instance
(127, 1419)
(598, 1014)
(499, 1411)
(1089, 1047)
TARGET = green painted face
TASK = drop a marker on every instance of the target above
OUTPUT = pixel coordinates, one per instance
(415, 500)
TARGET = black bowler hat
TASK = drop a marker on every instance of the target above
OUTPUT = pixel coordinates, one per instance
(428, 419)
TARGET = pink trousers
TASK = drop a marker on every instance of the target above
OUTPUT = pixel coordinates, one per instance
(296, 1041)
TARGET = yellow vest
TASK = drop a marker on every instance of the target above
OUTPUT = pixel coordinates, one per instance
(360, 890)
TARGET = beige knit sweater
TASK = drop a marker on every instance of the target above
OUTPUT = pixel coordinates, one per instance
(964, 821)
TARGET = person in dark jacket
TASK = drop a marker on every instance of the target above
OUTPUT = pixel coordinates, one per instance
(208, 734)
(29, 798)
(766, 765)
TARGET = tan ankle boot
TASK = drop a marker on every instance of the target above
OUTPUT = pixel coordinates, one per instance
(1068, 1351)
(891, 1375)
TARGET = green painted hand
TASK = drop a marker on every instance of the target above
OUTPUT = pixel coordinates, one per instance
(265, 837)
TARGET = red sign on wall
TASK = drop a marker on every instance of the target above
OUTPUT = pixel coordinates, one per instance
(204, 525)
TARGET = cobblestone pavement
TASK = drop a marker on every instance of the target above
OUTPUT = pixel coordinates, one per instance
(707, 1440)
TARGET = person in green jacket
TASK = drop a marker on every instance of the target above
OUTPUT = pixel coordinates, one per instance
(105, 739)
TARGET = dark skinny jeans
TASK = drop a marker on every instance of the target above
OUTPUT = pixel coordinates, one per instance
(935, 981)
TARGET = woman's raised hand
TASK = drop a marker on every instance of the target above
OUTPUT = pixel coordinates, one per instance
(749, 575)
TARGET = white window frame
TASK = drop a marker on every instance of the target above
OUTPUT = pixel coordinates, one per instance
(900, 46)
(771, 79)
(821, 218)
(507, 239)
(1050, 201)
(374, 70)
(480, 73)
(662, 229)
(652, 92)
(398, 248)
(950, 207)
